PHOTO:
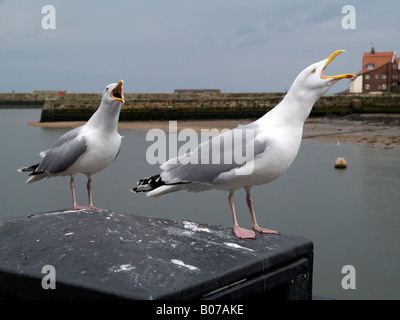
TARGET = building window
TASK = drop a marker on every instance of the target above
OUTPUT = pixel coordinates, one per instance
(384, 76)
(367, 86)
(376, 77)
(384, 87)
(367, 77)
(370, 66)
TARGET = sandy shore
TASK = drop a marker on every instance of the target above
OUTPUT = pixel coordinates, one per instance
(377, 130)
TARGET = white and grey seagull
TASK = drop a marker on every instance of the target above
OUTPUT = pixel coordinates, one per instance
(87, 149)
(275, 143)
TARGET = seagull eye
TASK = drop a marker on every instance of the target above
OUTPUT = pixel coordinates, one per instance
(313, 70)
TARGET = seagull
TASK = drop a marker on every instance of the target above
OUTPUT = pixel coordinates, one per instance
(274, 140)
(87, 149)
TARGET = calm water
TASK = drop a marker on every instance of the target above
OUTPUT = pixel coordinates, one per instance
(352, 216)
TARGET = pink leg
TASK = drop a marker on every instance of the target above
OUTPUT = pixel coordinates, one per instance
(72, 186)
(89, 189)
(75, 206)
(254, 224)
(239, 232)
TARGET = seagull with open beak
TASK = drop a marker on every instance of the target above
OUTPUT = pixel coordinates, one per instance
(87, 149)
(276, 141)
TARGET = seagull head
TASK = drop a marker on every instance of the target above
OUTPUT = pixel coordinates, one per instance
(114, 92)
(313, 81)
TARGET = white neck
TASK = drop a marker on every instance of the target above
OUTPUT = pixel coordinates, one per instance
(106, 117)
(293, 109)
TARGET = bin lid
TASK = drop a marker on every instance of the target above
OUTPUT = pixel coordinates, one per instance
(99, 254)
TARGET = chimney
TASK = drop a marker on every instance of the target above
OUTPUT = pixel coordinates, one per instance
(372, 50)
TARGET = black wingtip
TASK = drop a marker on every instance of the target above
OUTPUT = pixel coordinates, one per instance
(30, 168)
(148, 184)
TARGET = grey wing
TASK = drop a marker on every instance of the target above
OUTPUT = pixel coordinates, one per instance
(67, 149)
(227, 151)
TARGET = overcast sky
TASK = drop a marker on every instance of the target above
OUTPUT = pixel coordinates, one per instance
(162, 45)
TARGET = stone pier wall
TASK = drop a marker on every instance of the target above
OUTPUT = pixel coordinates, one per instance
(64, 106)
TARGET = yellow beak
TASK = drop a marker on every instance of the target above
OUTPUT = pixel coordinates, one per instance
(117, 92)
(330, 59)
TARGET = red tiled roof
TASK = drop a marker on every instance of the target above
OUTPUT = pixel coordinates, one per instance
(378, 58)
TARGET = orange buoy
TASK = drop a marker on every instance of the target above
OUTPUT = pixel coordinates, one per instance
(340, 163)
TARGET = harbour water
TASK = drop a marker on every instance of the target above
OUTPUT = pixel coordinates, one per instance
(351, 215)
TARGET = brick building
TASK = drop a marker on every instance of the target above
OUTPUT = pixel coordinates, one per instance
(380, 73)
